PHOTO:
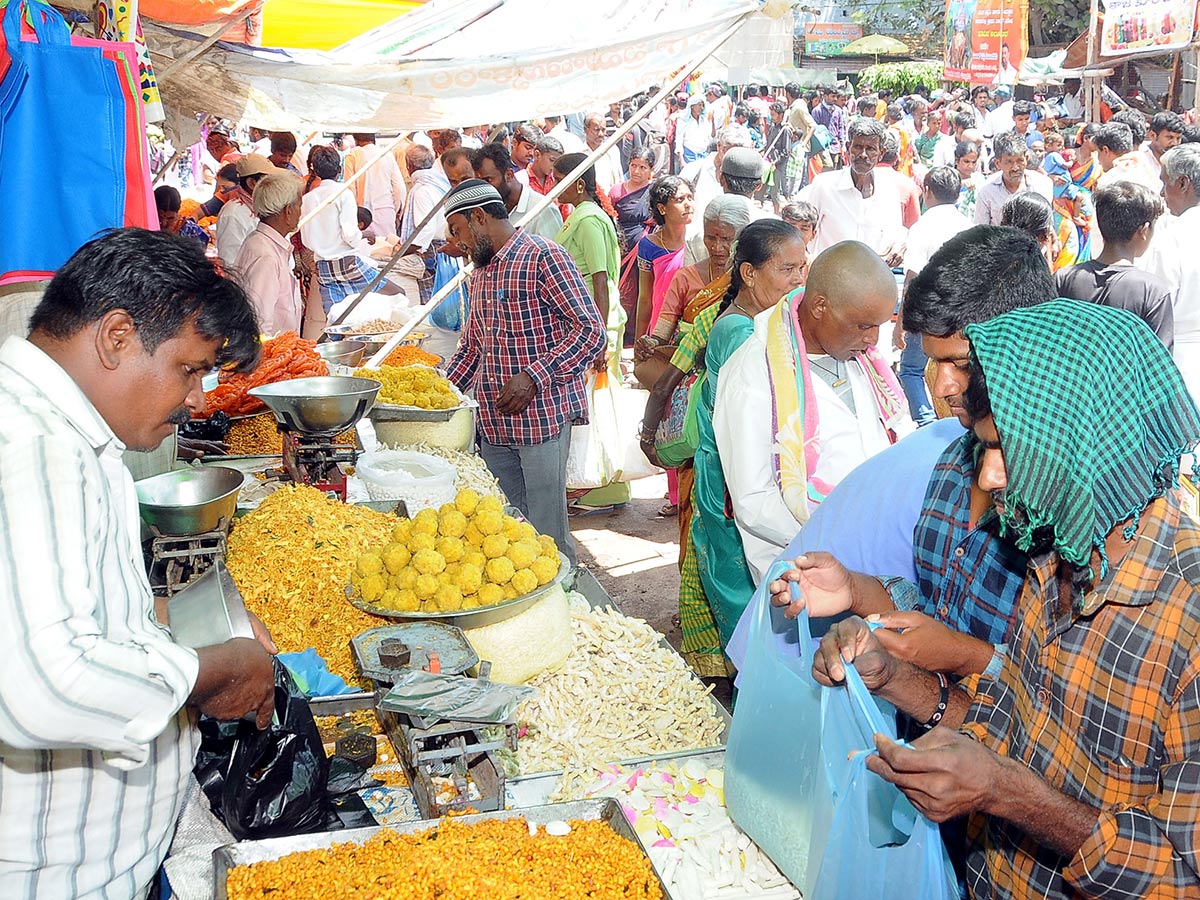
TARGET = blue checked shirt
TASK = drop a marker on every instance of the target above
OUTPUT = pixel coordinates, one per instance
(529, 312)
(968, 578)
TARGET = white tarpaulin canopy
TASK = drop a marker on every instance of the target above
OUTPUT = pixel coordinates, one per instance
(452, 62)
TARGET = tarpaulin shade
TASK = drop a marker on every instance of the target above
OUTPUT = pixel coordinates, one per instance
(466, 64)
(323, 25)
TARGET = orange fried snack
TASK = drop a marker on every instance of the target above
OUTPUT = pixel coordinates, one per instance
(284, 357)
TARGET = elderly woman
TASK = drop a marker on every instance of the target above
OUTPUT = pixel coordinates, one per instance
(1032, 213)
(724, 218)
(590, 236)
(264, 264)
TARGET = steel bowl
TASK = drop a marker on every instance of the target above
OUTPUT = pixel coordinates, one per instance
(325, 404)
(342, 353)
(189, 501)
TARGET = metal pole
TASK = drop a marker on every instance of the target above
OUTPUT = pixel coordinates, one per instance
(346, 184)
(561, 185)
(163, 171)
(1091, 90)
(396, 257)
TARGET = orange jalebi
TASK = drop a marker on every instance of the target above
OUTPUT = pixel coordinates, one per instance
(284, 357)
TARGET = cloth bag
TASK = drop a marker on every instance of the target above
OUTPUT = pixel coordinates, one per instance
(678, 434)
(73, 87)
(630, 408)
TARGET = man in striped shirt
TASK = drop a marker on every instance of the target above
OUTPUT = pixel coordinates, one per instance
(96, 741)
(531, 334)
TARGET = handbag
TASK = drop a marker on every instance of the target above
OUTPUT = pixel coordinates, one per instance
(674, 441)
(820, 140)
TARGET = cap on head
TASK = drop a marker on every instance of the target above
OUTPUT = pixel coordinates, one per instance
(742, 162)
(255, 164)
(1003, 90)
(471, 194)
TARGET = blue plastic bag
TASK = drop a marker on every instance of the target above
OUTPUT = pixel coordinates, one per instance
(879, 846)
(776, 789)
(452, 311)
(69, 92)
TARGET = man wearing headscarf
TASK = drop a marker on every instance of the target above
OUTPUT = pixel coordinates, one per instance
(1077, 762)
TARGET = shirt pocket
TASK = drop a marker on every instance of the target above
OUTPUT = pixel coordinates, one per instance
(1112, 783)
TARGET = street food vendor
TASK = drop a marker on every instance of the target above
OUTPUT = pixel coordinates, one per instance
(96, 741)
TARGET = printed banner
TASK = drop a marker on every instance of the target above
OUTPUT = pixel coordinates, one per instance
(985, 40)
(828, 38)
(117, 20)
(1132, 25)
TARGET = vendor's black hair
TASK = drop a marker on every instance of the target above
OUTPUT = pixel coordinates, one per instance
(1030, 212)
(662, 191)
(944, 183)
(167, 199)
(163, 281)
(758, 242)
(325, 163)
(497, 153)
(975, 276)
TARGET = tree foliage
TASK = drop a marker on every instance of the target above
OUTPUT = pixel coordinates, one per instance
(903, 77)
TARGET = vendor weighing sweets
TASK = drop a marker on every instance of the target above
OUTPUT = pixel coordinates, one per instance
(95, 697)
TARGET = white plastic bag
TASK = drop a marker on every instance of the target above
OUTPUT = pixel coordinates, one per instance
(596, 454)
(630, 409)
(422, 481)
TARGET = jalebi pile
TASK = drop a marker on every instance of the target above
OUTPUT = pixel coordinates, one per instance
(284, 357)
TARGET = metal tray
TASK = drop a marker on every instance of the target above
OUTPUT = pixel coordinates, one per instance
(248, 852)
(387, 412)
(455, 653)
(471, 618)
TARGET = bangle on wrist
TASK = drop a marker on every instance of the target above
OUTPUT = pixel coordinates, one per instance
(942, 704)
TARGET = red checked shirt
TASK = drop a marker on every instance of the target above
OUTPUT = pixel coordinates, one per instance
(529, 312)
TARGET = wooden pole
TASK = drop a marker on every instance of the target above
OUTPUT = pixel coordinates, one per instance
(1091, 89)
(166, 167)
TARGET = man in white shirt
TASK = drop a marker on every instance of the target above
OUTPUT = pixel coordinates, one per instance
(427, 188)
(705, 179)
(1007, 73)
(855, 203)
(96, 698)
(608, 166)
(1013, 178)
(693, 133)
(559, 131)
(940, 222)
(1000, 119)
(1165, 131)
(381, 189)
(1121, 161)
(264, 267)
(237, 219)
(980, 100)
(493, 164)
(849, 293)
(720, 107)
(1174, 255)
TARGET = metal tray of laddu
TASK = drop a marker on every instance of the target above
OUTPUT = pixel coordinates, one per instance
(249, 852)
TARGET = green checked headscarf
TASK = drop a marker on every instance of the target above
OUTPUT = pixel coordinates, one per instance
(1092, 416)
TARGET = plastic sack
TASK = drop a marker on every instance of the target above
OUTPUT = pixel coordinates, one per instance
(452, 311)
(420, 693)
(630, 408)
(678, 435)
(776, 788)
(422, 481)
(529, 643)
(877, 839)
(595, 456)
(271, 783)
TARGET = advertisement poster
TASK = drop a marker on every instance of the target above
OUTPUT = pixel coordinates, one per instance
(1132, 25)
(828, 38)
(985, 40)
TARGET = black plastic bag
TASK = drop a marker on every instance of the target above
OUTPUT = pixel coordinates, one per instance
(265, 784)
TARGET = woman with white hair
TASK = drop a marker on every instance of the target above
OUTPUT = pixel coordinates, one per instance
(264, 264)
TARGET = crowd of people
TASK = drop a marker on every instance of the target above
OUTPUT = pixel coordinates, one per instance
(997, 486)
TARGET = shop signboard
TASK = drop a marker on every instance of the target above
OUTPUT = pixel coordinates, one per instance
(985, 40)
(1155, 25)
(828, 38)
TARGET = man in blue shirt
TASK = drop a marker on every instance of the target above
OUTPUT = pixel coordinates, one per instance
(956, 615)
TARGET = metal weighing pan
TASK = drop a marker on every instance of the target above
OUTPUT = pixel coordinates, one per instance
(249, 852)
(189, 501)
(470, 618)
(318, 405)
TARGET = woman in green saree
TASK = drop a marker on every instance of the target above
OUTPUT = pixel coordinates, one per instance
(590, 236)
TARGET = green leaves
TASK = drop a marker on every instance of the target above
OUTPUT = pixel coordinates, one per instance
(903, 77)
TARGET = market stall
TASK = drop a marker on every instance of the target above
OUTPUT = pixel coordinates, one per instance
(451, 661)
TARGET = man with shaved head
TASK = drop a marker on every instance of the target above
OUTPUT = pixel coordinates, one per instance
(807, 398)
